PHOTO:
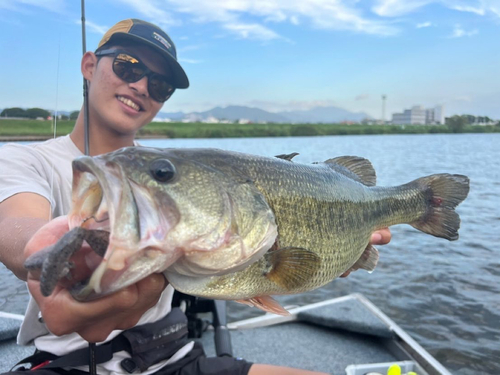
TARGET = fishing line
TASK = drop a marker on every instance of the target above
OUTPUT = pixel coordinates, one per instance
(92, 346)
(95, 219)
(55, 114)
(85, 88)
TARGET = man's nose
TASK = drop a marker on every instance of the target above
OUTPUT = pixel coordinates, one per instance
(141, 86)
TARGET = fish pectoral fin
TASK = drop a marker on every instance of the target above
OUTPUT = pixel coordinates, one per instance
(291, 267)
(368, 260)
(265, 303)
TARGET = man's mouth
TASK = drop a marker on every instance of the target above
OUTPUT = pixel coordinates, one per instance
(129, 103)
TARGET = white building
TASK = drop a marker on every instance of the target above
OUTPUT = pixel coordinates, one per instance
(435, 115)
(211, 120)
(418, 115)
(414, 116)
(439, 114)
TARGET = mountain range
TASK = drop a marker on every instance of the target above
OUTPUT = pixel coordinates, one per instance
(234, 113)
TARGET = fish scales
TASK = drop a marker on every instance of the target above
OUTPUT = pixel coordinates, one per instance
(317, 209)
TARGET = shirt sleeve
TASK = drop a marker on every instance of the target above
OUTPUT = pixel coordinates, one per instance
(23, 170)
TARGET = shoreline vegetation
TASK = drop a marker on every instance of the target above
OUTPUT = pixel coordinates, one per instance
(19, 130)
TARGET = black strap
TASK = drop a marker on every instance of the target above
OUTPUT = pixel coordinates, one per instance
(79, 357)
(147, 344)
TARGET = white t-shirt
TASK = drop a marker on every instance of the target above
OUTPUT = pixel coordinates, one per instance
(45, 169)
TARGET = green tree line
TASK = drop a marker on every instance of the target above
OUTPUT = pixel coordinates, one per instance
(34, 113)
(457, 123)
(29, 127)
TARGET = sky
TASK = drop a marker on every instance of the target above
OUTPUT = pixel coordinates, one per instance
(277, 55)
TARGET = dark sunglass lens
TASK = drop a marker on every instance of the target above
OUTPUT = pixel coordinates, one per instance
(159, 89)
(128, 68)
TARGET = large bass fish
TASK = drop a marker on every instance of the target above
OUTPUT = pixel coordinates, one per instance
(227, 225)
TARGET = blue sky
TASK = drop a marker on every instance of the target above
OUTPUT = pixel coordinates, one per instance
(272, 54)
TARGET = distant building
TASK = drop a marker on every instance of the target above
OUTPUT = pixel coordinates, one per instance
(414, 116)
(159, 119)
(418, 115)
(435, 115)
(439, 114)
(211, 120)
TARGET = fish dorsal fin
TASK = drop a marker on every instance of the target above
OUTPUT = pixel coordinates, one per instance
(288, 157)
(355, 167)
(291, 267)
(367, 261)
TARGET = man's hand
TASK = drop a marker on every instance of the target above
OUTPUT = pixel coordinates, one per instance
(93, 320)
(380, 237)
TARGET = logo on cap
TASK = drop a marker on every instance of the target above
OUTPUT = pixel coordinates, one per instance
(162, 40)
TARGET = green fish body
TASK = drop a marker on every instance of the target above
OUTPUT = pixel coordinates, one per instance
(234, 226)
(325, 214)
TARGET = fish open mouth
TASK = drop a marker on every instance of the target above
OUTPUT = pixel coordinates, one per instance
(105, 200)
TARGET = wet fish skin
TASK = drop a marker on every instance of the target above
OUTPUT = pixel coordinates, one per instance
(325, 215)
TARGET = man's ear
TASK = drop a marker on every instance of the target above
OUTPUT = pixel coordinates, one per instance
(89, 65)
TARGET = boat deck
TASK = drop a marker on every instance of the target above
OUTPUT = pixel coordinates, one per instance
(328, 336)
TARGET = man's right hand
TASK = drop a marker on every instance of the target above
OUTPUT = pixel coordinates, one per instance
(93, 320)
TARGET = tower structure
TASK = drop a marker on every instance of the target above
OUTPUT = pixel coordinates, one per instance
(384, 97)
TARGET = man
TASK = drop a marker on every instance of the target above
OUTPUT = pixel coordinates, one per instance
(132, 73)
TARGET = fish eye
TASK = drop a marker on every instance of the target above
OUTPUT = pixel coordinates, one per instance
(162, 170)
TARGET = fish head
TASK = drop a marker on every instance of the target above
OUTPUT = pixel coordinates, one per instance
(162, 209)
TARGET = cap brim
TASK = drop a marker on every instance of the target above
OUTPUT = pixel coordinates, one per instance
(180, 79)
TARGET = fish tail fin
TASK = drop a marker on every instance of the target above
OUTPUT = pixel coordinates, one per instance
(443, 192)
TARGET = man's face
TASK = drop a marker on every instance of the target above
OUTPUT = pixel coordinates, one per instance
(119, 106)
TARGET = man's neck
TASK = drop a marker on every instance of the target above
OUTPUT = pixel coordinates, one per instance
(101, 140)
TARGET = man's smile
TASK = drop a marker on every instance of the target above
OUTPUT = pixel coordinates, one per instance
(128, 102)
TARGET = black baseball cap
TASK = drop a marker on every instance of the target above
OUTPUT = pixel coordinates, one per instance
(151, 35)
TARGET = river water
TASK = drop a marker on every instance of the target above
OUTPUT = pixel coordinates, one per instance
(445, 294)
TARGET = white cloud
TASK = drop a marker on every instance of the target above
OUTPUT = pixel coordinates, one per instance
(294, 20)
(459, 32)
(154, 11)
(463, 98)
(93, 27)
(190, 61)
(470, 9)
(423, 24)
(362, 97)
(56, 6)
(233, 15)
(251, 31)
(394, 8)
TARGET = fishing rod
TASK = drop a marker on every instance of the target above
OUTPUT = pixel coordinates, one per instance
(85, 88)
(92, 346)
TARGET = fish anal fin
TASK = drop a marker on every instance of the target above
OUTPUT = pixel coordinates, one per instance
(265, 303)
(355, 167)
(291, 267)
(367, 261)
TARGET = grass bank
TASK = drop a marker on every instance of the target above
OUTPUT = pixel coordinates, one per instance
(26, 128)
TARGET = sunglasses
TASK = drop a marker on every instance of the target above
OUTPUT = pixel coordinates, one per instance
(131, 69)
